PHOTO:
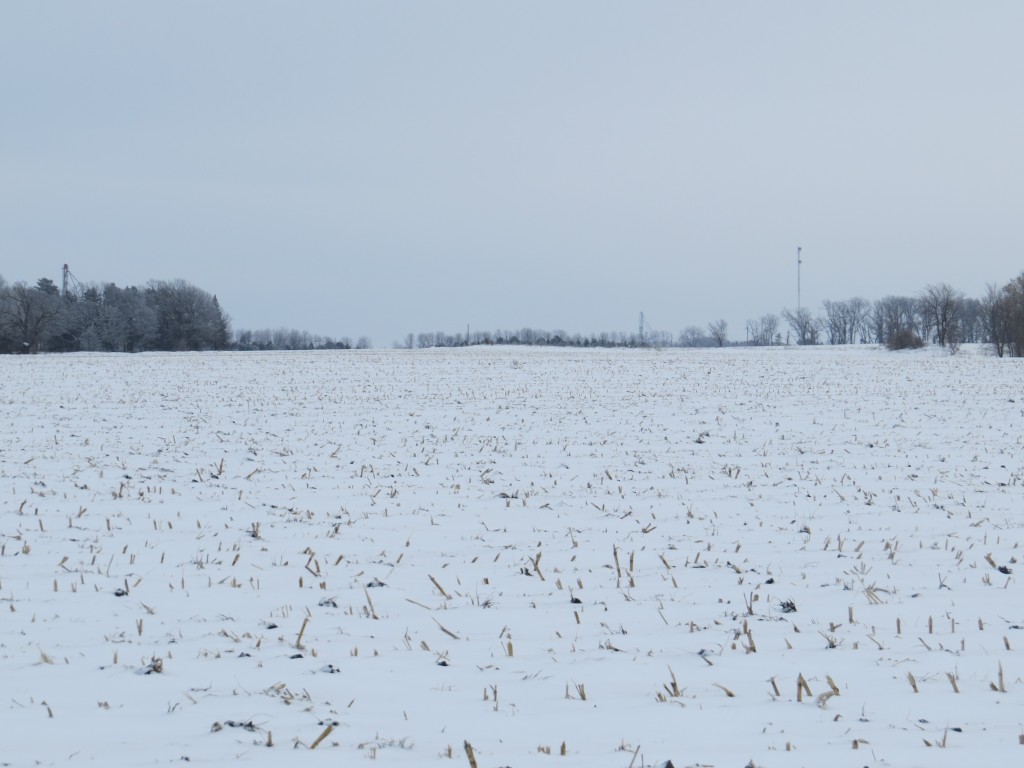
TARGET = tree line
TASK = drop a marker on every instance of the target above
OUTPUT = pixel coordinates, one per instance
(940, 314)
(267, 339)
(177, 316)
(524, 336)
(169, 315)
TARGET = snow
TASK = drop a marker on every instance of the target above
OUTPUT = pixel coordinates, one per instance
(419, 549)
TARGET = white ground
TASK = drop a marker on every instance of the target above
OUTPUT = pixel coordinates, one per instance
(420, 549)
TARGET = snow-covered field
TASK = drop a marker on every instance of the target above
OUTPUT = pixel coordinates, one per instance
(575, 558)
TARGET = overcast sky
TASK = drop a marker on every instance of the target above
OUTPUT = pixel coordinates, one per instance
(376, 168)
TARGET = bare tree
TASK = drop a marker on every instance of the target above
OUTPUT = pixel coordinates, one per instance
(858, 313)
(971, 323)
(31, 315)
(939, 307)
(719, 331)
(752, 332)
(893, 315)
(995, 318)
(692, 336)
(6, 343)
(804, 325)
(765, 331)
(1012, 309)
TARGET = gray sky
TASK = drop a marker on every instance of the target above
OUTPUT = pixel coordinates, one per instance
(375, 168)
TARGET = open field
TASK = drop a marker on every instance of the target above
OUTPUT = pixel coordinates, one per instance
(565, 557)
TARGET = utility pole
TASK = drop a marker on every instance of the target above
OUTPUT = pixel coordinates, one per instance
(799, 261)
(641, 329)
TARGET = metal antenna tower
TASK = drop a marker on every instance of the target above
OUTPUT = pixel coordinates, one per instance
(799, 261)
(69, 281)
(641, 329)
